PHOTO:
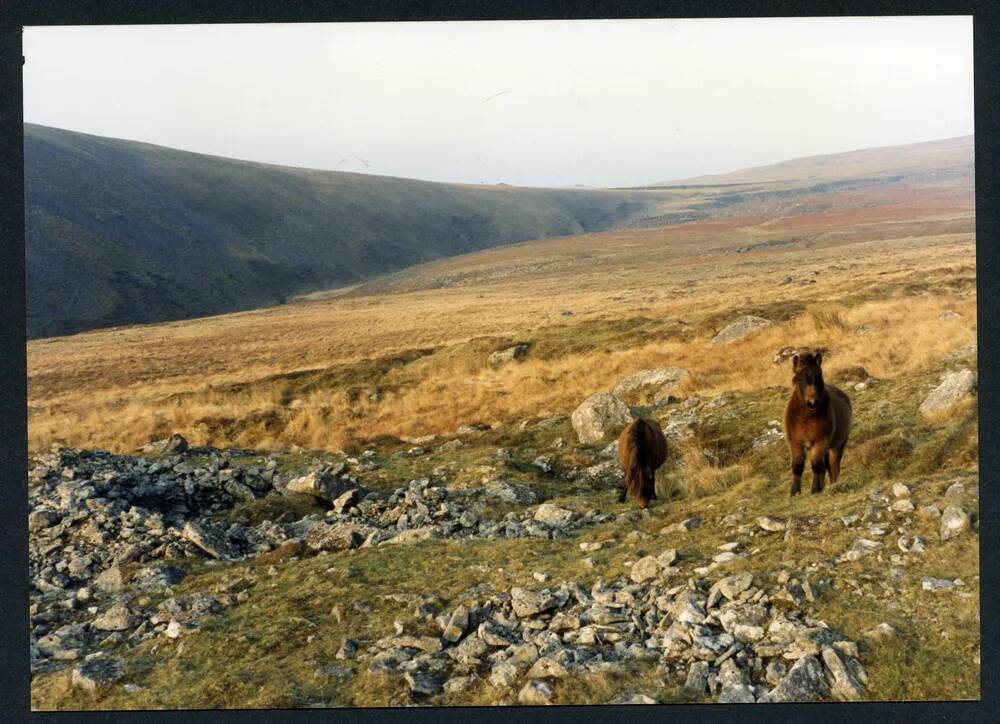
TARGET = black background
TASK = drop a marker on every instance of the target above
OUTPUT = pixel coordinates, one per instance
(14, 665)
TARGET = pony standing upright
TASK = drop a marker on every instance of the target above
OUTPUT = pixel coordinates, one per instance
(817, 423)
(642, 449)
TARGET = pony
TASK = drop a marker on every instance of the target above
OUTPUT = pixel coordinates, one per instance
(817, 422)
(642, 449)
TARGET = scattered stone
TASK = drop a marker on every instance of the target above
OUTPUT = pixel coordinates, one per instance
(535, 693)
(954, 522)
(97, 673)
(772, 525)
(547, 668)
(531, 603)
(116, 618)
(843, 682)
(645, 569)
(929, 583)
(632, 699)
(169, 446)
(110, 580)
(553, 515)
(900, 490)
(209, 538)
(805, 682)
(458, 624)
(423, 683)
(339, 537)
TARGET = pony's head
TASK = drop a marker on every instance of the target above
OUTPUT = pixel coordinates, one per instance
(808, 378)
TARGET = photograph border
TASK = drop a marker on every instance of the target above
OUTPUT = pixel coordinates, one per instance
(14, 641)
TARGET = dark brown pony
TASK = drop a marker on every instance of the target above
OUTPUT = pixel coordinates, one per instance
(817, 422)
(642, 449)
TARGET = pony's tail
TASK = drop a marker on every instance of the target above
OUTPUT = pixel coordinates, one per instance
(633, 468)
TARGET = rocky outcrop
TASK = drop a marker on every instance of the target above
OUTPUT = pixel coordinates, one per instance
(510, 354)
(741, 328)
(954, 388)
(653, 384)
(600, 417)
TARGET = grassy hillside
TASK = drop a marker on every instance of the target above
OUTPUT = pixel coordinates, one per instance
(120, 232)
(398, 388)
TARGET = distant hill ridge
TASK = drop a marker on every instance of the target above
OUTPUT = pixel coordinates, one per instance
(122, 232)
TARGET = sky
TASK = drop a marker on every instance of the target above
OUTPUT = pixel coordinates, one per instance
(533, 103)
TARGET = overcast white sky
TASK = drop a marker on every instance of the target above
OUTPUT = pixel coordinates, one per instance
(603, 103)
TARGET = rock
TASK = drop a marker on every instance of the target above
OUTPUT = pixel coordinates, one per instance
(530, 603)
(97, 673)
(696, 684)
(844, 685)
(955, 490)
(736, 694)
(171, 445)
(929, 583)
(553, 515)
(457, 625)
(209, 538)
(321, 485)
(510, 354)
(881, 632)
(41, 519)
(547, 668)
(347, 500)
(502, 490)
(339, 537)
(458, 684)
(659, 381)
(110, 580)
(423, 683)
(859, 549)
(632, 699)
(954, 387)
(803, 683)
(772, 525)
(769, 437)
(903, 505)
(503, 674)
(415, 535)
(900, 490)
(954, 522)
(116, 618)
(535, 693)
(599, 416)
(740, 329)
(645, 569)
(730, 587)
(929, 511)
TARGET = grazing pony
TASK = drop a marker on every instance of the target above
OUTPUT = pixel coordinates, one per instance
(817, 422)
(642, 449)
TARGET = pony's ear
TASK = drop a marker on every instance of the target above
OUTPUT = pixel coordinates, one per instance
(795, 361)
(819, 358)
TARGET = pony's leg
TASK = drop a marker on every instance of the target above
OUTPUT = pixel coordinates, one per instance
(652, 486)
(622, 493)
(833, 458)
(817, 461)
(798, 465)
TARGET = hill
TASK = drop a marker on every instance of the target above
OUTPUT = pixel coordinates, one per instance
(120, 232)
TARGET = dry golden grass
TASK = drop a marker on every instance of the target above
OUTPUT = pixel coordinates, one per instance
(304, 373)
